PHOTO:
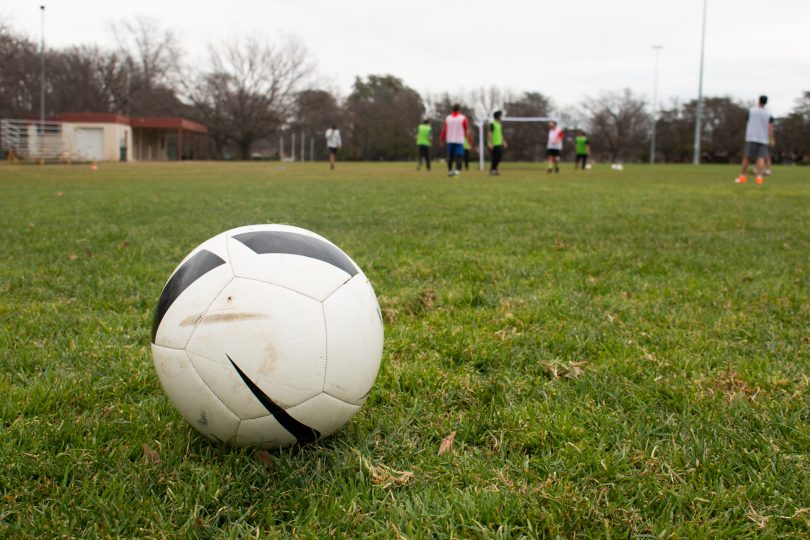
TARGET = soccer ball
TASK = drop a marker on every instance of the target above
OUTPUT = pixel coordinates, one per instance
(267, 335)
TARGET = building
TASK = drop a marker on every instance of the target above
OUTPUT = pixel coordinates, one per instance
(105, 137)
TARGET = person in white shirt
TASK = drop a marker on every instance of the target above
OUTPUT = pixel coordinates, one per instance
(554, 146)
(454, 133)
(333, 144)
(758, 137)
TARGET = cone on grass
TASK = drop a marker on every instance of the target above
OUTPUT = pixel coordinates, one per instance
(94, 166)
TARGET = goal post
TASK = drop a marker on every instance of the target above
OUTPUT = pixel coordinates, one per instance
(482, 123)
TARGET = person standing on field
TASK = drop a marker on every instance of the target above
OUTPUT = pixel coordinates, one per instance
(454, 132)
(554, 146)
(467, 147)
(333, 144)
(758, 136)
(424, 139)
(583, 150)
(495, 142)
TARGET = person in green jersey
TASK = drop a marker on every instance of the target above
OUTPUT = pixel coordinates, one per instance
(495, 142)
(424, 139)
(583, 150)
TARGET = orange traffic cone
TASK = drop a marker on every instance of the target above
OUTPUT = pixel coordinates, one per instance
(94, 166)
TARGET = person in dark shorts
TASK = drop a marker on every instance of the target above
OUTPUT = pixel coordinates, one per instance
(424, 139)
(455, 131)
(554, 146)
(333, 144)
(758, 136)
(496, 142)
(583, 150)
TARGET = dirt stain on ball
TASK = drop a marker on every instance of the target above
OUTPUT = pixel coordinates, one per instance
(218, 318)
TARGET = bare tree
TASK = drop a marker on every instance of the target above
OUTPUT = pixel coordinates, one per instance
(152, 55)
(618, 125)
(86, 78)
(249, 92)
(486, 101)
(19, 80)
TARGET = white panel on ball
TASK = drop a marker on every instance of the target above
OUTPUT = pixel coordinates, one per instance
(306, 275)
(324, 413)
(274, 335)
(221, 377)
(192, 398)
(264, 432)
(354, 335)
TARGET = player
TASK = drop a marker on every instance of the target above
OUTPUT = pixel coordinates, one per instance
(583, 150)
(454, 132)
(495, 142)
(424, 139)
(758, 135)
(554, 146)
(333, 144)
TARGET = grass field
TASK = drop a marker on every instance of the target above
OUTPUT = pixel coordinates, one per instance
(619, 354)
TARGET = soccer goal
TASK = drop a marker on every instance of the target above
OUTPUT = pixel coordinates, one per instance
(483, 123)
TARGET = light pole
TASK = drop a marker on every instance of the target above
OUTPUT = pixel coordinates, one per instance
(42, 87)
(699, 111)
(656, 49)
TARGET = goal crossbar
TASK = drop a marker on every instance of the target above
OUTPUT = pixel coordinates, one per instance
(481, 124)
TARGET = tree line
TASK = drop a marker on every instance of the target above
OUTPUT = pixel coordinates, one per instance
(253, 93)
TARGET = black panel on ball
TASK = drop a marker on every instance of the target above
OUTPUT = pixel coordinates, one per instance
(193, 269)
(303, 433)
(297, 244)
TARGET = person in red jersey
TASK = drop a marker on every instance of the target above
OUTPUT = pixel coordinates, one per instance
(455, 131)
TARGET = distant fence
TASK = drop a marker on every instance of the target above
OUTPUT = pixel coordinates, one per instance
(37, 141)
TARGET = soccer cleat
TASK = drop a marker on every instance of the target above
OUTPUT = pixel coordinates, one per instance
(450, 173)
(759, 180)
(767, 172)
(457, 173)
(740, 179)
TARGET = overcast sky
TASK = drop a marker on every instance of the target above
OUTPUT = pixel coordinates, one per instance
(565, 49)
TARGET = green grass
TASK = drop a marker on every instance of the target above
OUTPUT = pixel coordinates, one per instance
(620, 354)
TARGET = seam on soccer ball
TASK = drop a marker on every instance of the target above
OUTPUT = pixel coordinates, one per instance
(339, 286)
(228, 251)
(197, 322)
(325, 346)
(197, 373)
(353, 404)
(282, 286)
(310, 398)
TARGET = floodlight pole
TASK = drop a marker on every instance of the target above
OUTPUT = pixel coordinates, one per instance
(699, 111)
(657, 49)
(42, 87)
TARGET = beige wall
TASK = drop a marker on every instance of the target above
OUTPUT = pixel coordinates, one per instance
(115, 136)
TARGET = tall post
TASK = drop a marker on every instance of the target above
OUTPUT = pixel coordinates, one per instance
(292, 146)
(312, 148)
(42, 87)
(656, 49)
(699, 111)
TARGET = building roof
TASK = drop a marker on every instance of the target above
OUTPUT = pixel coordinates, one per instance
(146, 122)
(167, 122)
